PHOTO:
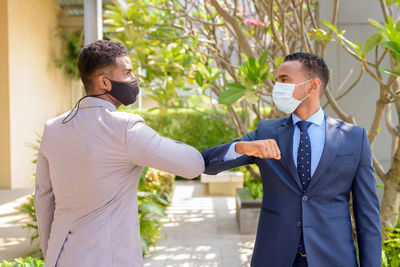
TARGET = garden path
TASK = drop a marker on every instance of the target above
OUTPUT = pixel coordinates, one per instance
(14, 240)
(201, 230)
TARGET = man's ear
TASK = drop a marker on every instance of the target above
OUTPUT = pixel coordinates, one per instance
(103, 83)
(315, 85)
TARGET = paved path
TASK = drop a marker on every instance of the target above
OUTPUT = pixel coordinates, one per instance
(201, 231)
(14, 240)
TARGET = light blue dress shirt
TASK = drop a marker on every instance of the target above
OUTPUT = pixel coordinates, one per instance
(317, 138)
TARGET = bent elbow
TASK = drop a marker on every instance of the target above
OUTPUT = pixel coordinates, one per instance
(197, 167)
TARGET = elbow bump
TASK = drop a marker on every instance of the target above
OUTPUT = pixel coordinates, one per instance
(195, 170)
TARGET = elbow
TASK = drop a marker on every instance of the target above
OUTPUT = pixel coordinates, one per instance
(196, 169)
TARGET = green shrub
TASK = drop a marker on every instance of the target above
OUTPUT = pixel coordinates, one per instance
(154, 195)
(157, 182)
(198, 129)
(391, 249)
(20, 262)
(252, 186)
(28, 208)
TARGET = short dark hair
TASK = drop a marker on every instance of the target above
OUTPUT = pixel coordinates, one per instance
(314, 65)
(97, 55)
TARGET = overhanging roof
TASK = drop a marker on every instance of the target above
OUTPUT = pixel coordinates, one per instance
(72, 12)
(75, 7)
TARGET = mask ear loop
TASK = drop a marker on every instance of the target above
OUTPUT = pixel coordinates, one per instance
(305, 97)
(76, 108)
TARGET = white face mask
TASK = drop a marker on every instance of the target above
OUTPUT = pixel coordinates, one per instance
(282, 95)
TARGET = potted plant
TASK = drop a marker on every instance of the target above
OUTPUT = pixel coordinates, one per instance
(248, 205)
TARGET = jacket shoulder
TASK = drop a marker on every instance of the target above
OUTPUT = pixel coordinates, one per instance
(346, 127)
(272, 123)
(127, 116)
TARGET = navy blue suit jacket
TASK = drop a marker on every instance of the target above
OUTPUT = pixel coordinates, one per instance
(345, 166)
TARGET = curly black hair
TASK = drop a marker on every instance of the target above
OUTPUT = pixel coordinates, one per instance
(314, 65)
(97, 55)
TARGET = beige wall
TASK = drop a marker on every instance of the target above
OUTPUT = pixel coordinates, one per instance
(5, 161)
(38, 90)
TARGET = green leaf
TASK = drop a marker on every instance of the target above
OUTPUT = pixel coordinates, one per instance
(250, 97)
(320, 35)
(392, 46)
(252, 69)
(234, 92)
(357, 47)
(263, 58)
(389, 71)
(330, 26)
(237, 86)
(151, 208)
(376, 25)
(278, 61)
(187, 61)
(372, 41)
(199, 79)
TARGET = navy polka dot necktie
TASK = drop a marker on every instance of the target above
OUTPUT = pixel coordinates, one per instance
(304, 165)
(304, 154)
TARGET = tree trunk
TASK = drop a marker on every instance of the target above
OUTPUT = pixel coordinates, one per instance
(390, 203)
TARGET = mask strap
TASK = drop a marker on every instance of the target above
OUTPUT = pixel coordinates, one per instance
(76, 108)
(304, 98)
(305, 81)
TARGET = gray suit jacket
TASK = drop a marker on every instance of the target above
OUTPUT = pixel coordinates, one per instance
(86, 182)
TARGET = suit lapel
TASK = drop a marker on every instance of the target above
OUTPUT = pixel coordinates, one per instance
(285, 144)
(333, 137)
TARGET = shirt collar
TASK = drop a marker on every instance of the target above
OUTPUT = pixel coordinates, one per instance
(317, 118)
(89, 102)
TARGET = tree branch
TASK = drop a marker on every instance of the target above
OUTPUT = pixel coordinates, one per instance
(236, 27)
(336, 107)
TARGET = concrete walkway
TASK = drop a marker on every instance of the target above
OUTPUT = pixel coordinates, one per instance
(201, 231)
(14, 240)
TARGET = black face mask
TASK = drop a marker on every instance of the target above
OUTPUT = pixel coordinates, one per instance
(124, 92)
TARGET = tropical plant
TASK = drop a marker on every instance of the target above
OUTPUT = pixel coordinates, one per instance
(20, 262)
(391, 249)
(157, 182)
(254, 188)
(73, 42)
(160, 51)
(155, 193)
(28, 208)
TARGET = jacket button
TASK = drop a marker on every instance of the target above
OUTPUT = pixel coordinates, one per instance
(305, 198)
(298, 224)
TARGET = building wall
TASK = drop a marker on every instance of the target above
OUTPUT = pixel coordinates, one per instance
(5, 160)
(38, 89)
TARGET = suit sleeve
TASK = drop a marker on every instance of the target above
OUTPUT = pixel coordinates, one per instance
(366, 210)
(44, 199)
(146, 147)
(214, 156)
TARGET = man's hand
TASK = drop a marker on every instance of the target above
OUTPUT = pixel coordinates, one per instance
(261, 148)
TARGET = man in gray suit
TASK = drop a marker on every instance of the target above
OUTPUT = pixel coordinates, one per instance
(89, 165)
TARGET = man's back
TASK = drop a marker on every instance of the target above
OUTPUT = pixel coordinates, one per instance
(94, 164)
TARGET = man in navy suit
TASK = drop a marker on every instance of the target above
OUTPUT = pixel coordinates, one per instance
(309, 164)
